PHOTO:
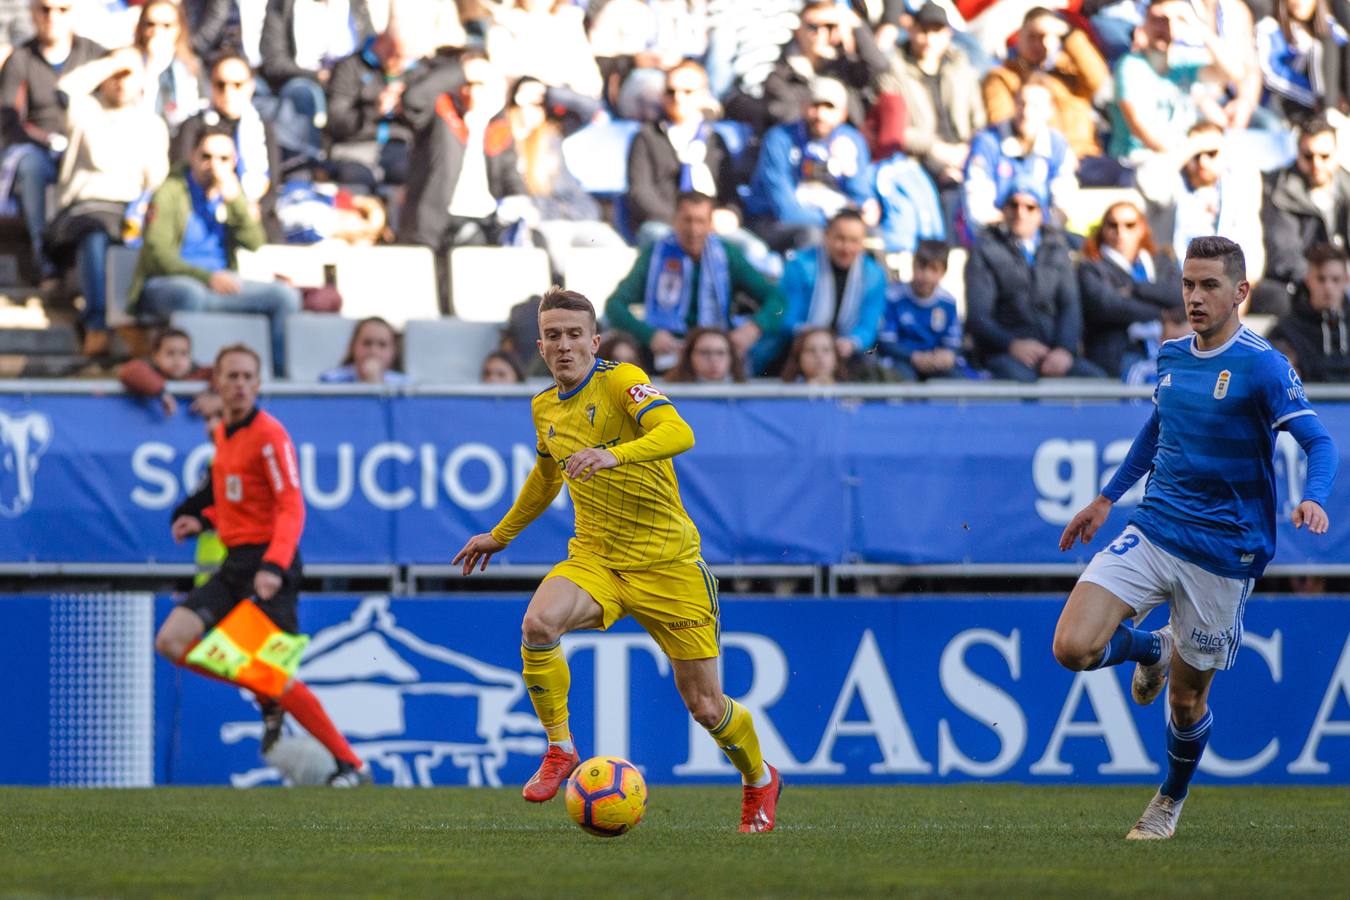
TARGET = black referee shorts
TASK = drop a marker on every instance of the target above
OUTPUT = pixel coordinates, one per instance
(233, 582)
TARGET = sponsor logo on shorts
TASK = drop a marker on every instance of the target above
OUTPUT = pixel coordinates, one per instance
(1211, 643)
(686, 624)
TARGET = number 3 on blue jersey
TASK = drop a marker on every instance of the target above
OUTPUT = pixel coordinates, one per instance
(1123, 546)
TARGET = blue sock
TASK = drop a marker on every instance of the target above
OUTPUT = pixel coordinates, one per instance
(1183, 754)
(1131, 644)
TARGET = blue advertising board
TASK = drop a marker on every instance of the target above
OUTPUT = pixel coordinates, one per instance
(880, 690)
(406, 479)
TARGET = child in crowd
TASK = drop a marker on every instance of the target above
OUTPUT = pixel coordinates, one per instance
(708, 357)
(170, 360)
(499, 367)
(814, 359)
(373, 356)
(920, 331)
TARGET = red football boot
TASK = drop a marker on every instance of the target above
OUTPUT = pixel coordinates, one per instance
(759, 805)
(556, 765)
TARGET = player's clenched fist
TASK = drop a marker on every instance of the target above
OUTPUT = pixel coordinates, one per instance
(185, 527)
(480, 547)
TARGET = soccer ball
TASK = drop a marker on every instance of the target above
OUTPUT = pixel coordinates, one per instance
(606, 796)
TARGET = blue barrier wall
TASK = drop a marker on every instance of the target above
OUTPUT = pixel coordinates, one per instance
(843, 691)
(772, 480)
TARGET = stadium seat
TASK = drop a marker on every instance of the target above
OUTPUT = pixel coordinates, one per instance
(596, 271)
(210, 331)
(597, 156)
(120, 263)
(396, 283)
(301, 264)
(485, 282)
(447, 351)
(315, 343)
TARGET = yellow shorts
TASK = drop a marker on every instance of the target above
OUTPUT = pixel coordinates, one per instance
(677, 606)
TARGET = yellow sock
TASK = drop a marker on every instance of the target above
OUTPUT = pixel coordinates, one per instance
(735, 734)
(548, 679)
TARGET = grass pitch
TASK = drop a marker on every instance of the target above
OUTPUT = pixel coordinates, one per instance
(979, 840)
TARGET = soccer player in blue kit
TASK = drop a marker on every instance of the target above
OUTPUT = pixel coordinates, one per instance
(1205, 529)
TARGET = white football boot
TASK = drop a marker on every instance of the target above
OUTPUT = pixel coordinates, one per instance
(1149, 681)
(1159, 821)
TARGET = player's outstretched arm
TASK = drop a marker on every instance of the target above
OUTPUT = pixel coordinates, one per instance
(1083, 526)
(477, 552)
(536, 494)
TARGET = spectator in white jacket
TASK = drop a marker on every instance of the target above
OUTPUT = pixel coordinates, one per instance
(1201, 188)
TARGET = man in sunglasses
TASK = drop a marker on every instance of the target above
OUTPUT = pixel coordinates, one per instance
(1304, 205)
(33, 117)
(1201, 189)
(830, 41)
(1023, 305)
(257, 151)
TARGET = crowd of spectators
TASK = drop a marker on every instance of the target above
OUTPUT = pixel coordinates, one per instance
(798, 171)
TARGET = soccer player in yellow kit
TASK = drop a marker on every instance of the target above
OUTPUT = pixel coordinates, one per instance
(610, 435)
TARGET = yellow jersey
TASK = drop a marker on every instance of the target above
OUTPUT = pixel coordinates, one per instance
(627, 517)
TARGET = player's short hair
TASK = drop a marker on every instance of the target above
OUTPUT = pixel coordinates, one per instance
(558, 297)
(699, 197)
(846, 215)
(239, 348)
(1323, 253)
(931, 253)
(1317, 125)
(1220, 248)
(168, 334)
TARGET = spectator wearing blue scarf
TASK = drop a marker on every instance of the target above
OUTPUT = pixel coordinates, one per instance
(837, 286)
(808, 171)
(688, 280)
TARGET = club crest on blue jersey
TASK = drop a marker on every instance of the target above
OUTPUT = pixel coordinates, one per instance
(1221, 385)
(1166, 380)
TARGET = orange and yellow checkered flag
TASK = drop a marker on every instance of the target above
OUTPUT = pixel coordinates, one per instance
(247, 648)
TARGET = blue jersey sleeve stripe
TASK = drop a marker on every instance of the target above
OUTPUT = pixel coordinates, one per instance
(649, 407)
(1293, 415)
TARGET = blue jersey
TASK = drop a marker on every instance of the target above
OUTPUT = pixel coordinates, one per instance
(1211, 497)
(910, 325)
